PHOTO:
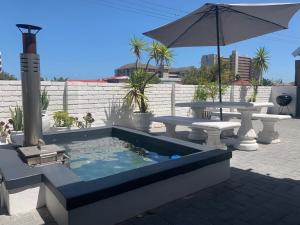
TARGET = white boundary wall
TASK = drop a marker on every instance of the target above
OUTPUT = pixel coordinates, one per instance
(104, 100)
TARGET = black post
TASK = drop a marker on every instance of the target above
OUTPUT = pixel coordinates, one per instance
(219, 61)
(297, 84)
(31, 89)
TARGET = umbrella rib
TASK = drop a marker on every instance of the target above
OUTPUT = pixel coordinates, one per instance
(203, 16)
(221, 32)
(264, 20)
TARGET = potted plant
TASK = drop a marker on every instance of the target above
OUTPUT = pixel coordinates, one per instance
(201, 94)
(16, 120)
(140, 79)
(88, 120)
(5, 131)
(136, 96)
(62, 121)
(254, 84)
(2, 132)
(44, 106)
(205, 90)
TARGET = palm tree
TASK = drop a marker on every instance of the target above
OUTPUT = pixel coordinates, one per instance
(140, 79)
(261, 62)
(137, 47)
(153, 52)
(165, 55)
(162, 55)
(136, 94)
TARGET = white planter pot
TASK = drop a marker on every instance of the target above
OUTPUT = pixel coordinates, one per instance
(142, 121)
(45, 121)
(127, 122)
(17, 137)
(3, 141)
(59, 129)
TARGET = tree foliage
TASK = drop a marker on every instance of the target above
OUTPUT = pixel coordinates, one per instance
(137, 47)
(208, 90)
(140, 79)
(261, 63)
(267, 82)
(60, 79)
(209, 74)
(7, 76)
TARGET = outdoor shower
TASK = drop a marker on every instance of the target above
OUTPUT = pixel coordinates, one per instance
(30, 74)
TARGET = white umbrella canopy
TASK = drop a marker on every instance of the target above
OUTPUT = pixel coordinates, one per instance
(237, 22)
(223, 24)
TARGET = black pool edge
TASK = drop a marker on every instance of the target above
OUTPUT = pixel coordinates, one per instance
(94, 193)
(73, 193)
(77, 194)
(15, 173)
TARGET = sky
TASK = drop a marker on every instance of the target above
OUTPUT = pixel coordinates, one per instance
(88, 39)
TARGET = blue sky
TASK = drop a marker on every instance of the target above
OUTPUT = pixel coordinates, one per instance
(88, 39)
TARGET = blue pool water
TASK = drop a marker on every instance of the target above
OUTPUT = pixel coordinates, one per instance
(106, 156)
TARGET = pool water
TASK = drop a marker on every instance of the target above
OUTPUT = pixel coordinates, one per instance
(106, 156)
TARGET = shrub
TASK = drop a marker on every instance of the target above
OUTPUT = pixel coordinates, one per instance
(17, 118)
(62, 119)
(44, 100)
(210, 89)
(201, 93)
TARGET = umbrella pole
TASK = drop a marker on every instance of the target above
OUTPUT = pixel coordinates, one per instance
(219, 61)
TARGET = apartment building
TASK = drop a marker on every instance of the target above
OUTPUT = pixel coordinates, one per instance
(168, 72)
(242, 66)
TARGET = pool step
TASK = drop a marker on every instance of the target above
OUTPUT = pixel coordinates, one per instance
(41, 155)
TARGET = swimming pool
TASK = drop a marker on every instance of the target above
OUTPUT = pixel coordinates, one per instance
(116, 173)
(101, 157)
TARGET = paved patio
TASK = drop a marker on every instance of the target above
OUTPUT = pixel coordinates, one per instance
(264, 188)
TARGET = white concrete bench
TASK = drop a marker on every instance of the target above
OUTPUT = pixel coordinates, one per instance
(212, 128)
(268, 134)
(228, 115)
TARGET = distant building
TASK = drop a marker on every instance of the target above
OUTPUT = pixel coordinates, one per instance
(209, 60)
(130, 68)
(242, 66)
(116, 79)
(169, 74)
(179, 72)
(1, 68)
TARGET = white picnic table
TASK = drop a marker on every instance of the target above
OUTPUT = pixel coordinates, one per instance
(246, 134)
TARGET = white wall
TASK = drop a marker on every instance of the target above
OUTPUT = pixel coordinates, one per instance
(104, 100)
(11, 95)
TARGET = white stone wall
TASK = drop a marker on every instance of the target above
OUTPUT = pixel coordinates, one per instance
(105, 100)
(11, 96)
(185, 93)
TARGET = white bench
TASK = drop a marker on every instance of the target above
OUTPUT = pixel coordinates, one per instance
(212, 128)
(268, 134)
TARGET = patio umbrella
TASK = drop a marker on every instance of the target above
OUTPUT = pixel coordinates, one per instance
(223, 24)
